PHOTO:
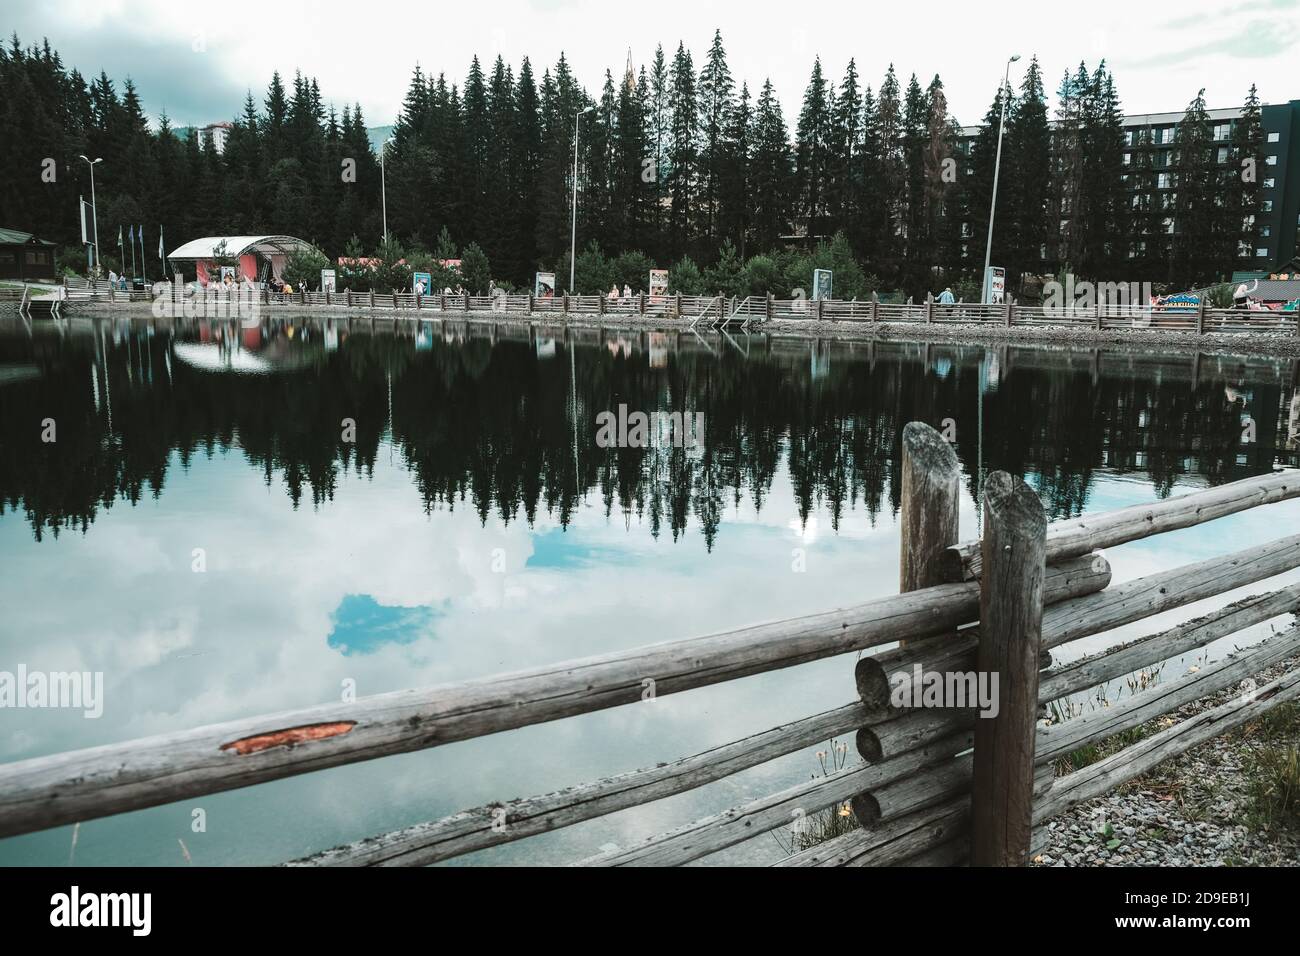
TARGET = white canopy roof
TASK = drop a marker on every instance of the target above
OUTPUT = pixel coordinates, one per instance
(206, 247)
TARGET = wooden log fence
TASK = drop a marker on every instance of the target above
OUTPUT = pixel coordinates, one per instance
(936, 786)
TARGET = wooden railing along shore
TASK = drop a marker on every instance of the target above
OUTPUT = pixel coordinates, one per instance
(718, 311)
(934, 785)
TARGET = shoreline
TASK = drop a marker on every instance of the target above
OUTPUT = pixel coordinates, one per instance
(1267, 344)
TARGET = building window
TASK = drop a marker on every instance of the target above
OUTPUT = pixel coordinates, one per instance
(1270, 160)
(1128, 158)
(1169, 226)
(1272, 137)
(1163, 181)
(1266, 205)
(1270, 183)
(1261, 253)
(1265, 232)
(1165, 136)
(1223, 154)
(1243, 249)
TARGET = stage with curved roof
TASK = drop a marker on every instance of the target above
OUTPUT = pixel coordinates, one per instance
(206, 248)
(259, 258)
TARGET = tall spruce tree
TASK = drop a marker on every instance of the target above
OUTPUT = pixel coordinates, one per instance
(813, 151)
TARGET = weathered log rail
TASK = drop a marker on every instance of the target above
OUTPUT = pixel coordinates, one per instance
(921, 795)
(716, 310)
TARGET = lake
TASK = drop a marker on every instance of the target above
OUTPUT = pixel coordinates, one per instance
(240, 520)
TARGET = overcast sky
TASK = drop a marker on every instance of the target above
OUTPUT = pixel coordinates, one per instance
(197, 65)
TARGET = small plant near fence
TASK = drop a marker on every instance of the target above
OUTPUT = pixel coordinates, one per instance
(812, 829)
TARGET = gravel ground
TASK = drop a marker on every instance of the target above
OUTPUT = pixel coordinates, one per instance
(1190, 811)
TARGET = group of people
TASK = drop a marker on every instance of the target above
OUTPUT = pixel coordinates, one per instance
(614, 293)
(116, 281)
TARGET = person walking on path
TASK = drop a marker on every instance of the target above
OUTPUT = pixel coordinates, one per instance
(946, 297)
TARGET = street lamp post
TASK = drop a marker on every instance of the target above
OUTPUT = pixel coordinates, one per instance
(93, 207)
(997, 165)
(573, 235)
(383, 186)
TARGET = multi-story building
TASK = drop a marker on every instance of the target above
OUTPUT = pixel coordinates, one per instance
(218, 133)
(1278, 218)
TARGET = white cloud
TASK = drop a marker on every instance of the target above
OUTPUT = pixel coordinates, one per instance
(1160, 58)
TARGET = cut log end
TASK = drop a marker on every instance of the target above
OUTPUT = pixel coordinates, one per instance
(931, 451)
(1014, 504)
(866, 809)
(873, 684)
(869, 747)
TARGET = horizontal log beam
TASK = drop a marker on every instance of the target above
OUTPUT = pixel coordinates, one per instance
(890, 843)
(1126, 658)
(882, 739)
(915, 792)
(1144, 597)
(1077, 536)
(498, 823)
(1057, 740)
(80, 785)
(719, 831)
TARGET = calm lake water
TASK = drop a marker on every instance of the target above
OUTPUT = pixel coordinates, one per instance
(475, 526)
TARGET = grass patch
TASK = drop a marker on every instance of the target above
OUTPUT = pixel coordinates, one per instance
(808, 830)
(1274, 770)
(1081, 757)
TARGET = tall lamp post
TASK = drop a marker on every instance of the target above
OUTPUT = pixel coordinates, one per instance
(573, 235)
(997, 165)
(93, 207)
(383, 185)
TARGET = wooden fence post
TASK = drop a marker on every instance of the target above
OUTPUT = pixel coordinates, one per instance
(929, 309)
(1008, 316)
(530, 303)
(677, 304)
(930, 509)
(640, 303)
(1014, 553)
(930, 505)
(875, 307)
(771, 306)
(466, 300)
(1200, 316)
(564, 304)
